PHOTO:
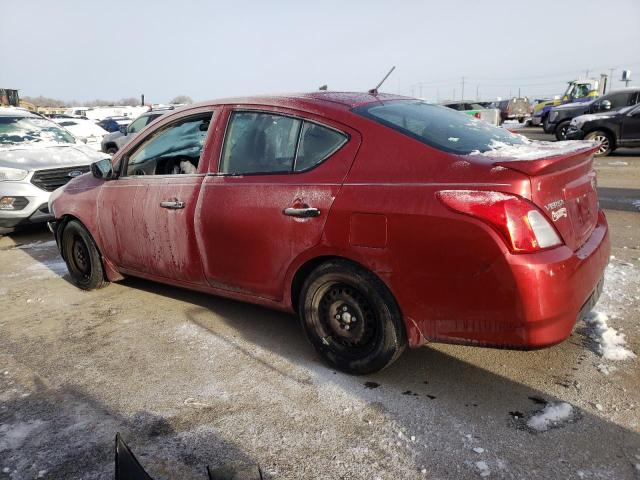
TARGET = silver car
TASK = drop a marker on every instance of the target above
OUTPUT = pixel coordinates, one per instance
(114, 141)
(36, 157)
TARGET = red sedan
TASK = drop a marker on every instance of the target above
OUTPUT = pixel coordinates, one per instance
(383, 221)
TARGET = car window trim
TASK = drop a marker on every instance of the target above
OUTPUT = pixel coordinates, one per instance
(124, 162)
(302, 119)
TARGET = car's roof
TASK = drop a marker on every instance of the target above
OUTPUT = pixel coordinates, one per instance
(340, 100)
(17, 112)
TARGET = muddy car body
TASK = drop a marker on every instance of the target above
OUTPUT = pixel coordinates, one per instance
(378, 219)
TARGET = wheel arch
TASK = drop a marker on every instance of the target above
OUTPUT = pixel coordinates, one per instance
(111, 271)
(612, 135)
(305, 269)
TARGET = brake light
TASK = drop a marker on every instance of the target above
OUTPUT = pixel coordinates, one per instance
(522, 225)
(477, 115)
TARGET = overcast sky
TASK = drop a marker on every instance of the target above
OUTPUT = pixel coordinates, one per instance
(85, 50)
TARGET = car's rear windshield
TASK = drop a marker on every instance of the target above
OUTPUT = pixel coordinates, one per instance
(23, 130)
(438, 127)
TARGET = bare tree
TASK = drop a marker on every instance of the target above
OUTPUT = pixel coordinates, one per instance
(131, 101)
(181, 99)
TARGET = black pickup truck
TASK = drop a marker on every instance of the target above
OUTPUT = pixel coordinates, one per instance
(612, 129)
(560, 116)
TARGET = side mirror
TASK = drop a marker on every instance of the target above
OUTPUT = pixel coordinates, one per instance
(102, 169)
(123, 129)
(605, 105)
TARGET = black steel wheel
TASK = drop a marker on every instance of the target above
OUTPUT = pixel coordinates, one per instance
(82, 257)
(351, 318)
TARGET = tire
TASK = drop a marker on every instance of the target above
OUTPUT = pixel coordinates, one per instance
(82, 257)
(111, 150)
(561, 130)
(339, 294)
(606, 142)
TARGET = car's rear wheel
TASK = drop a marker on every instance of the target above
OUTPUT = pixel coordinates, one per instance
(606, 142)
(112, 150)
(82, 257)
(561, 130)
(351, 318)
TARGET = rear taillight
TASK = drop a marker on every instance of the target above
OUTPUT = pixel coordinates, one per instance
(477, 115)
(519, 221)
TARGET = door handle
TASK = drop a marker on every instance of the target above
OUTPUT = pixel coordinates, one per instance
(172, 204)
(302, 212)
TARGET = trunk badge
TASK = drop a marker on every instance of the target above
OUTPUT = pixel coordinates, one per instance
(557, 214)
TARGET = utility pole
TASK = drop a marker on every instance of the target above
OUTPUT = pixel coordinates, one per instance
(610, 82)
(462, 93)
(518, 92)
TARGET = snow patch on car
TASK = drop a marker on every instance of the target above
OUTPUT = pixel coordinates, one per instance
(534, 149)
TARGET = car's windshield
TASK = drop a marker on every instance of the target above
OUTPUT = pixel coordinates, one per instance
(24, 130)
(439, 127)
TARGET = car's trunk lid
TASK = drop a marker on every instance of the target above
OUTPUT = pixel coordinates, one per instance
(564, 188)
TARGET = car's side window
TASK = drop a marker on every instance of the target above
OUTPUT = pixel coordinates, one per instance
(317, 143)
(138, 125)
(172, 150)
(259, 142)
(619, 100)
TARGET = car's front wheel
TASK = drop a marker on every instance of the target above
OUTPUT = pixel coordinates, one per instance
(561, 130)
(606, 142)
(82, 257)
(351, 318)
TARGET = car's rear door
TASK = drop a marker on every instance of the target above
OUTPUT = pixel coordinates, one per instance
(278, 176)
(146, 215)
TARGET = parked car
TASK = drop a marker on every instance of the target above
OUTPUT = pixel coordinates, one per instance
(36, 157)
(84, 130)
(489, 115)
(611, 129)
(516, 108)
(114, 141)
(113, 124)
(560, 117)
(381, 220)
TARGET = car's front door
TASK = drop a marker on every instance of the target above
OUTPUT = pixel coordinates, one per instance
(146, 215)
(630, 135)
(268, 202)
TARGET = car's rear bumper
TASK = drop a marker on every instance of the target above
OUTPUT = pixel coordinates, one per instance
(519, 301)
(557, 288)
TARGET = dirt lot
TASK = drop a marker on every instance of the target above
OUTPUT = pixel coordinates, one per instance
(192, 380)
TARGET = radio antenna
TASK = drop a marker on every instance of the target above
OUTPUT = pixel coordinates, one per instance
(374, 91)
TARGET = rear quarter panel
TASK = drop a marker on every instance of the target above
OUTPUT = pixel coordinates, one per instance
(440, 265)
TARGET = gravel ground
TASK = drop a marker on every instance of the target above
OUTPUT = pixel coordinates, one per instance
(192, 380)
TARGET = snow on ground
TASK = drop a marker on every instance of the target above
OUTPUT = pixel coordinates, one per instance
(621, 289)
(552, 415)
(611, 343)
(617, 163)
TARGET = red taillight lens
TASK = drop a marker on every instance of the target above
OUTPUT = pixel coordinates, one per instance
(477, 115)
(519, 221)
